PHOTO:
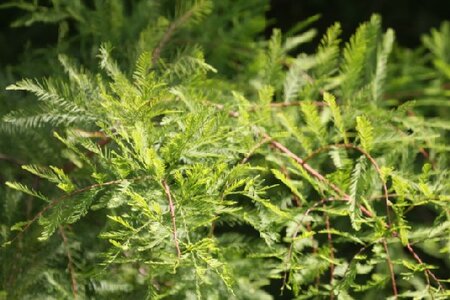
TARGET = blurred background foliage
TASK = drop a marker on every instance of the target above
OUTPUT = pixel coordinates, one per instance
(409, 19)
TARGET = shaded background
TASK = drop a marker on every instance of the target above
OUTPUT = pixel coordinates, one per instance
(409, 18)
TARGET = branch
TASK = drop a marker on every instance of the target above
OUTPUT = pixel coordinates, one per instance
(168, 34)
(372, 161)
(294, 236)
(69, 264)
(65, 197)
(290, 104)
(391, 268)
(330, 243)
(295, 199)
(386, 197)
(104, 140)
(254, 148)
(315, 174)
(347, 269)
(377, 168)
(172, 216)
(253, 108)
(427, 271)
(11, 159)
(319, 176)
(422, 150)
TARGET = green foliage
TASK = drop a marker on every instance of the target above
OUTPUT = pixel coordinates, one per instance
(365, 132)
(171, 152)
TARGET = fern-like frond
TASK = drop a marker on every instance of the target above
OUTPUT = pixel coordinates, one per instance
(365, 132)
(328, 52)
(337, 115)
(381, 71)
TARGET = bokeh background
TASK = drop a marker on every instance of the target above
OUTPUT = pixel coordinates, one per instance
(409, 18)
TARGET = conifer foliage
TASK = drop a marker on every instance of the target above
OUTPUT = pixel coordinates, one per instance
(165, 150)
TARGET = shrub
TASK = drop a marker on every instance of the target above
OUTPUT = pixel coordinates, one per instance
(174, 153)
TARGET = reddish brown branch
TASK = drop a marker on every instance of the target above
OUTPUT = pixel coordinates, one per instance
(294, 236)
(104, 140)
(391, 269)
(67, 196)
(427, 271)
(10, 159)
(168, 34)
(372, 161)
(386, 197)
(330, 243)
(426, 155)
(377, 168)
(253, 149)
(296, 103)
(235, 114)
(295, 199)
(315, 174)
(422, 150)
(172, 216)
(70, 267)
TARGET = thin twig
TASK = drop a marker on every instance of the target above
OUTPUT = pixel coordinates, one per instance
(386, 197)
(330, 243)
(30, 198)
(294, 103)
(70, 166)
(11, 159)
(73, 279)
(427, 271)
(422, 150)
(315, 250)
(294, 236)
(168, 34)
(372, 161)
(255, 107)
(391, 269)
(417, 258)
(295, 199)
(253, 149)
(347, 269)
(315, 174)
(172, 216)
(67, 196)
